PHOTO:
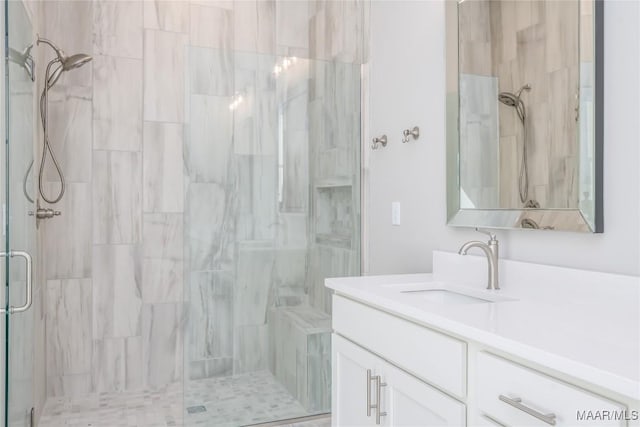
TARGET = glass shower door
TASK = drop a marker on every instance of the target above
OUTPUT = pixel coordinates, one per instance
(18, 233)
(272, 208)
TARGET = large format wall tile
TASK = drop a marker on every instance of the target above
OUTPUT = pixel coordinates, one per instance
(117, 364)
(164, 76)
(251, 348)
(117, 103)
(70, 133)
(163, 336)
(68, 236)
(166, 15)
(117, 28)
(257, 178)
(163, 236)
(117, 294)
(70, 385)
(291, 230)
(163, 170)
(210, 315)
(337, 31)
(162, 280)
(290, 271)
(208, 151)
(210, 226)
(210, 368)
(68, 323)
(295, 146)
(254, 26)
(211, 71)
(117, 197)
(254, 281)
(256, 120)
(292, 23)
(211, 27)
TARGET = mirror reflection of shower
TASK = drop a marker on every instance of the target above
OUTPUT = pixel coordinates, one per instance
(514, 100)
(55, 68)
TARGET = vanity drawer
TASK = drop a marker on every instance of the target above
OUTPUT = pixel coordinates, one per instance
(501, 383)
(431, 356)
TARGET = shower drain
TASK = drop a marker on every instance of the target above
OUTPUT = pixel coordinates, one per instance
(196, 409)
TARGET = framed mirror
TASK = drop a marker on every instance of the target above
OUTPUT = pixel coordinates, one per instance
(524, 114)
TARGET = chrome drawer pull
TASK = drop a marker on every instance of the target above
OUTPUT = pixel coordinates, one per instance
(368, 392)
(379, 385)
(516, 402)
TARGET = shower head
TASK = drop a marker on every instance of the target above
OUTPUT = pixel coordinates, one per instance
(66, 63)
(508, 99)
(513, 100)
(75, 61)
(23, 59)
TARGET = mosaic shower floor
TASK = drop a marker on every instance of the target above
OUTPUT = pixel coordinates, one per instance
(217, 402)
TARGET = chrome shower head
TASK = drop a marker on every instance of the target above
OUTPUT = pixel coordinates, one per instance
(513, 100)
(66, 62)
(75, 61)
(508, 99)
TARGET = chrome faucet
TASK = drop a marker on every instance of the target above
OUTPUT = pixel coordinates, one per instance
(490, 249)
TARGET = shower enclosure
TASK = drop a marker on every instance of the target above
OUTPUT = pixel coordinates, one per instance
(272, 207)
(211, 157)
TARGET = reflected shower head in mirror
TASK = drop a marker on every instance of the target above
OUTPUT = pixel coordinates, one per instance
(513, 100)
(23, 59)
(62, 63)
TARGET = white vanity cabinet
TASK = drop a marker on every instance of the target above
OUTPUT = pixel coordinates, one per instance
(390, 371)
(369, 391)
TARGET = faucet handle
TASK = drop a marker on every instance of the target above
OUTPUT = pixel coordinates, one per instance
(492, 236)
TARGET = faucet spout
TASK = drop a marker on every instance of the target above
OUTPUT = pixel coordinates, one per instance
(490, 249)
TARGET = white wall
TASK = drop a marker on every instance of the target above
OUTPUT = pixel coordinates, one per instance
(407, 84)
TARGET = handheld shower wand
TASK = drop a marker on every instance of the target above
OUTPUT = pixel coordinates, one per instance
(513, 100)
(61, 63)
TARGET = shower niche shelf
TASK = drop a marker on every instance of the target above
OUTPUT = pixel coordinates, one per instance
(334, 217)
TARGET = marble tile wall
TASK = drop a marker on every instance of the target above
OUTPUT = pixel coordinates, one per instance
(176, 237)
(537, 43)
(114, 259)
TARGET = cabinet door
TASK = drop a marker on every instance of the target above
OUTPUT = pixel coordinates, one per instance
(349, 386)
(411, 402)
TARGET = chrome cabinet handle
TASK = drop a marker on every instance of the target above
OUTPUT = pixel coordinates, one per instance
(28, 301)
(369, 377)
(516, 402)
(379, 385)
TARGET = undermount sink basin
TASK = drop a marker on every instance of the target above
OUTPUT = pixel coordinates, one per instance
(444, 296)
(441, 293)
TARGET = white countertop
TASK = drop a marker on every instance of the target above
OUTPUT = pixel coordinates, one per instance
(584, 324)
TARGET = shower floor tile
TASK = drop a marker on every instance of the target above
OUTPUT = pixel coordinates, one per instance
(228, 402)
